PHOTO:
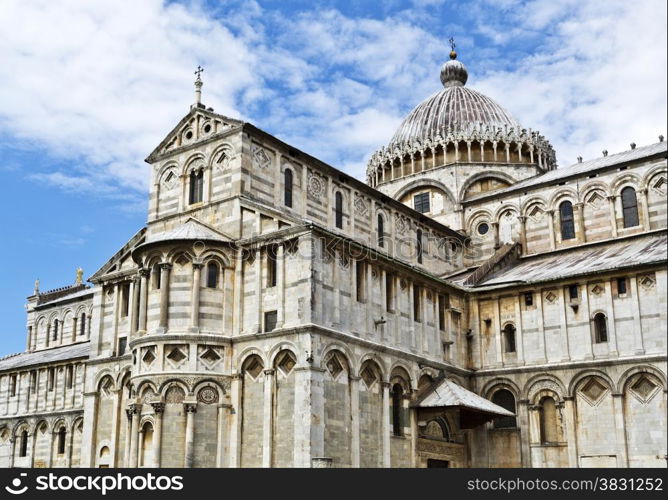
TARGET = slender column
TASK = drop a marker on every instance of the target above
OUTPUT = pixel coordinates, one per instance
(383, 301)
(569, 408)
(355, 421)
(411, 316)
(143, 299)
(236, 417)
(644, 209)
(237, 317)
(220, 437)
(613, 215)
(523, 233)
(612, 323)
(586, 313)
(386, 425)
(524, 425)
(280, 282)
(194, 304)
(534, 433)
(369, 298)
(140, 452)
(620, 429)
(133, 307)
(550, 224)
(115, 422)
(257, 327)
(499, 334)
(164, 294)
(518, 331)
(581, 234)
(495, 228)
(267, 417)
(424, 341)
(563, 321)
(336, 278)
(158, 409)
(134, 431)
(190, 408)
(128, 438)
(637, 330)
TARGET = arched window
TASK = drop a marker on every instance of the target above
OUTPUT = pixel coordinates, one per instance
(600, 328)
(381, 231)
(212, 275)
(55, 329)
(630, 207)
(61, 440)
(196, 186)
(146, 452)
(155, 271)
(505, 399)
(82, 330)
(566, 220)
(509, 338)
(397, 398)
(548, 421)
(287, 187)
(418, 245)
(338, 210)
(23, 444)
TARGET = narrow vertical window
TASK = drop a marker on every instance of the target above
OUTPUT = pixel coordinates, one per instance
(566, 220)
(630, 207)
(287, 188)
(389, 292)
(196, 186)
(418, 244)
(573, 293)
(528, 299)
(360, 280)
(69, 376)
(421, 202)
(381, 231)
(338, 210)
(55, 329)
(82, 330)
(271, 266)
(23, 444)
(505, 399)
(156, 276)
(125, 299)
(270, 320)
(600, 328)
(441, 313)
(397, 399)
(12, 385)
(621, 286)
(509, 338)
(212, 275)
(548, 421)
(61, 440)
(417, 303)
(50, 382)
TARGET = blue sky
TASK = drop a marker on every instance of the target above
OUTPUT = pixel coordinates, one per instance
(87, 89)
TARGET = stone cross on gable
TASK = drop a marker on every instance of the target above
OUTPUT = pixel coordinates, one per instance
(452, 43)
(199, 70)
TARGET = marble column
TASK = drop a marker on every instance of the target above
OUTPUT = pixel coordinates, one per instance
(190, 409)
(164, 295)
(385, 427)
(280, 283)
(134, 434)
(620, 429)
(143, 300)
(194, 303)
(644, 209)
(523, 233)
(580, 234)
(267, 417)
(613, 215)
(495, 228)
(355, 421)
(158, 409)
(571, 438)
(134, 307)
(550, 225)
(128, 438)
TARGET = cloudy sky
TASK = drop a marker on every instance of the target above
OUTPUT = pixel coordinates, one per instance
(87, 89)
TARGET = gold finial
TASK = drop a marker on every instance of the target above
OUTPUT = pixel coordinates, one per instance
(453, 54)
(79, 280)
(36, 287)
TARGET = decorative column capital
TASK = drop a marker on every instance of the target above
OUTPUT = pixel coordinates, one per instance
(197, 264)
(158, 407)
(269, 371)
(611, 197)
(190, 407)
(165, 266)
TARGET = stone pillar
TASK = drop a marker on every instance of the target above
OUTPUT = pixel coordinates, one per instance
(143, 300)
(571, 438)
(237, 316)
(613, 215)
(164, 295)
(220, 434)
(235, 424)
(550, 224)
(385, 427)
(495, 228)
(620, 429)
(267, 417)
(638, 343)
(534, 434)
(280, 282)
(355, 421)
(128, 434)
(499, 332)
(580, 234)
(88, 451)
(384, 305)
(194, 304)
(257, 327)
(336, 282)
(523, 422)
(523, 233)
(158, 409)
(411, 315)
(134, 434)
(644, 209)
(133, 307)
(612, 323)
(140, 451)
(190, 408)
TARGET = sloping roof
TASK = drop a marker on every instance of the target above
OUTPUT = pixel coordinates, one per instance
(447, 393)
(192, 229)
(579, 169)
(646, 250)
(13, 361)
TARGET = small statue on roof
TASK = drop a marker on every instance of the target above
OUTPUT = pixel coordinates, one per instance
(79, 280)
(37, 287)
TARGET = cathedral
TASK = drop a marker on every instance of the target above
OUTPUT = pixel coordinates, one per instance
(469, 305)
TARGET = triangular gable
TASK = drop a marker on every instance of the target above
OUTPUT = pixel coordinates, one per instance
(196, 122)
(191, 229)
(124, 252)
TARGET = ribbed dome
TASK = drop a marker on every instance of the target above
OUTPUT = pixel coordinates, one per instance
(454, 109)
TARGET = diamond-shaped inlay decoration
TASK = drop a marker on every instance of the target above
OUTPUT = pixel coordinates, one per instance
(644, 388)
(260, 157)
(536, 213)
(286, 363)
(647, 281)
(334, 366)
(593, 390)
(107, 387)
(597, 290)
(253, 367)
(210, 356)
(368, 376)
(176, 355)
(149, 356)
(170, 180)
(550, 297)
(660, 185)
(595, 201)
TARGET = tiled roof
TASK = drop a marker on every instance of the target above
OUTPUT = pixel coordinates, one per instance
(447, 393)
(73, 351)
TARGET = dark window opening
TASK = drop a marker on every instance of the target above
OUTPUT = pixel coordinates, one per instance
(630, 207)
(418, 244)
(125, 299)
(69, 376)
(12, 385)
(566, 220)
(483, 228)
(55, 329)
(156, 276)
(272, 266)
(270, 320)
(417, 304)
(389, 292)
(441, 312)
(61, 440)
(338, 210)
(573, 292)
(621, 286)
(196, 186)
(421, 202)
(381, 231)
(287, 188)
(397, 398)
(212, 275)
(509, 338)
(23, 444)
(600, 328)
(528, 299)
(122, 345)
(82, 329)
(505, 399)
